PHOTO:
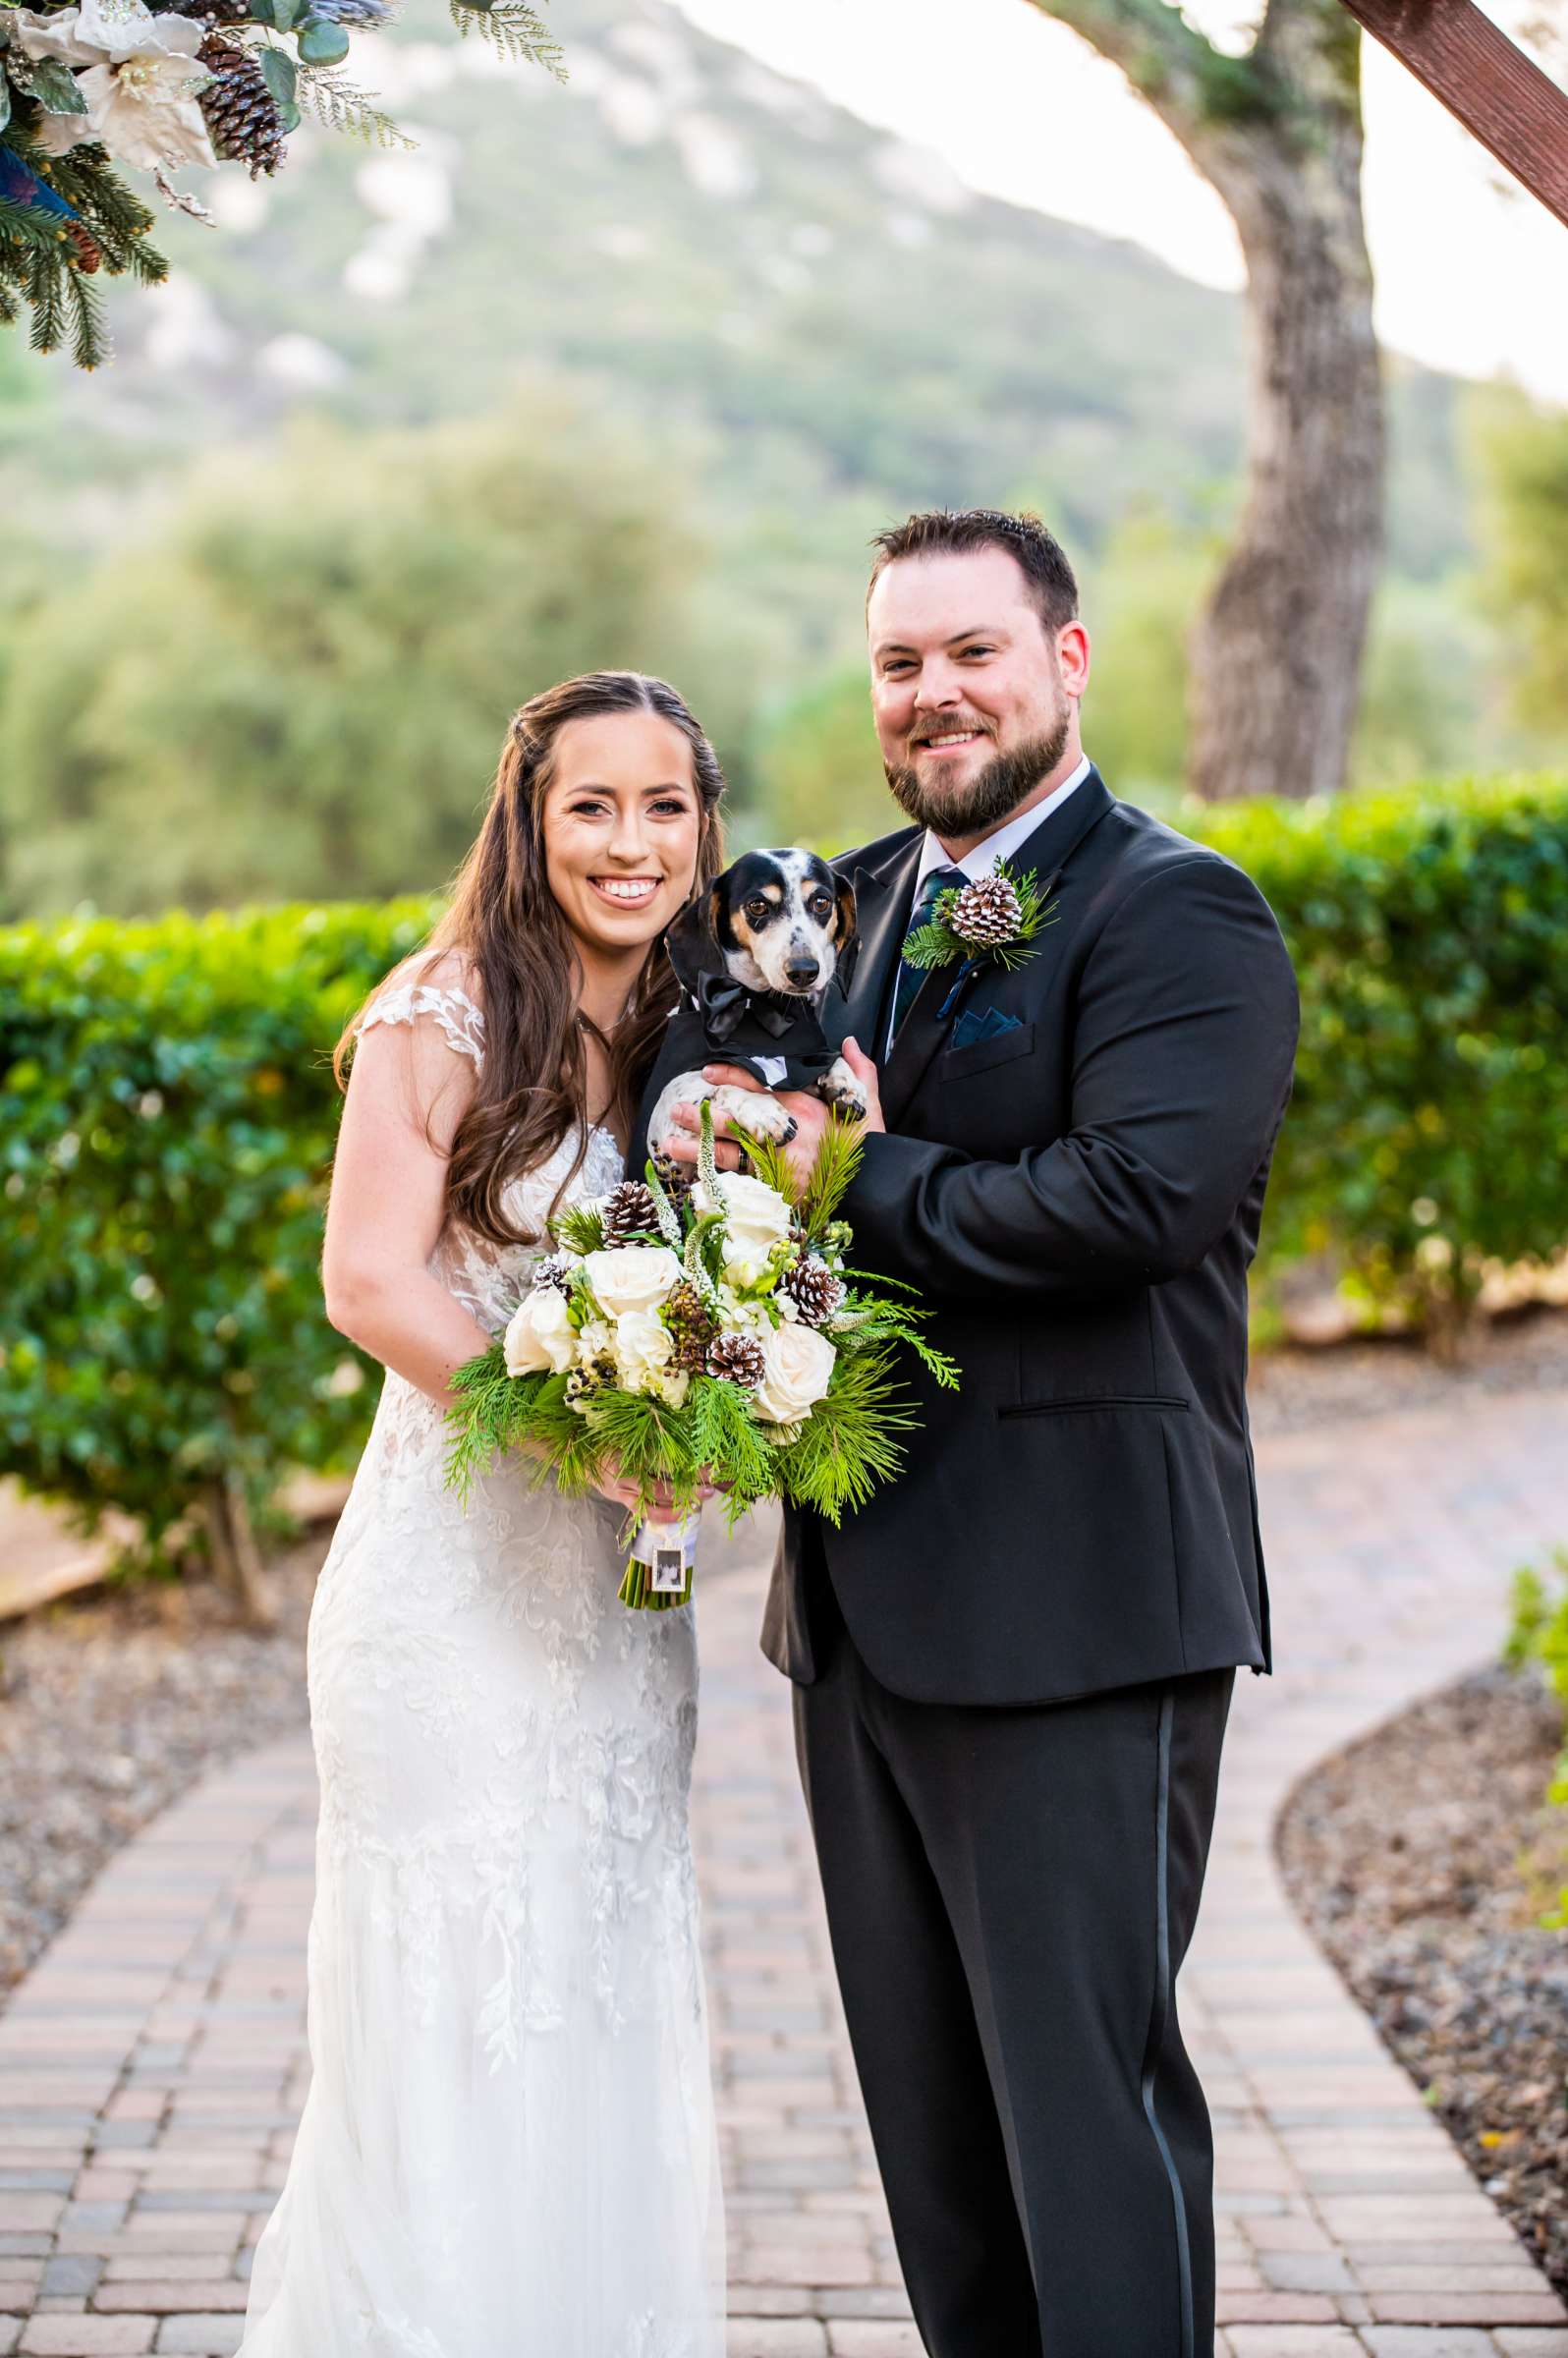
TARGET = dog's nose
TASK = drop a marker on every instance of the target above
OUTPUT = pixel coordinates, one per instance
(801, 973)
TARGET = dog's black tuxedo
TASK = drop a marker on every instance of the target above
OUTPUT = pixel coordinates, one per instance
(721, 1021)
(1013, 1666)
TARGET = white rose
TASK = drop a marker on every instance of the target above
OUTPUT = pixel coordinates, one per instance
(541, 1334)
(798, 1363)
(755, 1219)
(643, 1345)
(632, 1277)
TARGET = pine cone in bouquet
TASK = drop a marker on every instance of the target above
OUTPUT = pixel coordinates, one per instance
(691, 1324)
(986, 913)
(241, 114)
(813, 1288)
(555, 1269)
(629, 1212)
(739, 1359)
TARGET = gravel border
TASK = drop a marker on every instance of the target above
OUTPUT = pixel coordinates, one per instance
(1290, 1390)
(1422, 1859)
(111, 1705)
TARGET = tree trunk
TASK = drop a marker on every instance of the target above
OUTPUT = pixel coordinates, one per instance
(235, 1558)
(1277, 658)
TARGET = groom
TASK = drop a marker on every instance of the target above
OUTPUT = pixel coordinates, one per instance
(1012, 1668)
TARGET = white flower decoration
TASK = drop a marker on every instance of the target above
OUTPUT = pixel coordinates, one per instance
(798, 1369)
(755, 1219)
(140, 84)
(631, 1276)
(540, 1336)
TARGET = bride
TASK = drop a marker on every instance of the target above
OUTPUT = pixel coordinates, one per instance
(508, 2149)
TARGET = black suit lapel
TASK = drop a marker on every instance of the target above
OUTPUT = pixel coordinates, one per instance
(1046, 853)
(881, 907)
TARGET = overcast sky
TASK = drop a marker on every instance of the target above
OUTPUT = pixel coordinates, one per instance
(1470, 277)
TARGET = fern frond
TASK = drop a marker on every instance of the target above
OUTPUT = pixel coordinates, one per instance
(342, 106)
(514, 29)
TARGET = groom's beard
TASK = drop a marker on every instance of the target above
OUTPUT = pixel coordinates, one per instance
(993, 795)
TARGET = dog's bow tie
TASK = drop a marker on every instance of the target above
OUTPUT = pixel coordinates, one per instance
(724, 1005)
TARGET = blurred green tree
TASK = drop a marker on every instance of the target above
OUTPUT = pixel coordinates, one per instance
(820, 767)
(1521, 451)
(298, 685)
(1140, 602)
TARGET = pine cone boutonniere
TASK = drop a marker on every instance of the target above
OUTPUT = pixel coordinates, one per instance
(998, 917)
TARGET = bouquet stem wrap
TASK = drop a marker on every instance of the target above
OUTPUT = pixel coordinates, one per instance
(658, 1574)
(722, 1343)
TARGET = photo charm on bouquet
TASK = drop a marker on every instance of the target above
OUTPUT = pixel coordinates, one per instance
(686, 1338)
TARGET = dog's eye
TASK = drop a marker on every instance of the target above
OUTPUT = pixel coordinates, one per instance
(756, 908)
(821, 906)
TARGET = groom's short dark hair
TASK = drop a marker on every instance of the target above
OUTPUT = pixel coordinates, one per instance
(945, 531)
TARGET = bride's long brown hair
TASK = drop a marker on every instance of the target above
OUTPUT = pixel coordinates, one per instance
(507, 924)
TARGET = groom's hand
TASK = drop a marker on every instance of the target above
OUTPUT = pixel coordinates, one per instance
(811, 1116)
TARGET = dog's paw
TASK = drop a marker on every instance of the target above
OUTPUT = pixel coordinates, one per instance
(755, 1114)
(839, 1088)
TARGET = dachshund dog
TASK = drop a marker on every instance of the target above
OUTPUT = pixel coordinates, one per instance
(756, 956)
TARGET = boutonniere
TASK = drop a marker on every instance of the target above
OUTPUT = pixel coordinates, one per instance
(1000, 917)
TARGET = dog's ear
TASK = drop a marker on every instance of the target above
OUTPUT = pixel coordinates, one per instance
(692, 937)
(846, 934)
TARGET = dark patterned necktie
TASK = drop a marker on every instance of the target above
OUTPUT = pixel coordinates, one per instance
(909, 978)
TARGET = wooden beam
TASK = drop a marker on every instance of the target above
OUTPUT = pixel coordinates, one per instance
(1498, 94)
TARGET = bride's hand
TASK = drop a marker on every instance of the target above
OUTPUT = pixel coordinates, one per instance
(623, 1493)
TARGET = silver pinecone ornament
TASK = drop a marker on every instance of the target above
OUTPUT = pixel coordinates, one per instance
(986, 913)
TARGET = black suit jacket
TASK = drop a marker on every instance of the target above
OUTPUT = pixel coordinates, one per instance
(1078, 1198)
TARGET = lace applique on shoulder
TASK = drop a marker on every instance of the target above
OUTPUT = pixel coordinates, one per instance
(461, 1022)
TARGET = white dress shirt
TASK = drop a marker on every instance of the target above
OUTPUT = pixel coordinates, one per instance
(988, 855)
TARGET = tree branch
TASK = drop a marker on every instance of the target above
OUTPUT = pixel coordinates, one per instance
(1185, 79)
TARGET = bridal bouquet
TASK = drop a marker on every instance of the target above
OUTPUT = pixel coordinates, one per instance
(678, 1337)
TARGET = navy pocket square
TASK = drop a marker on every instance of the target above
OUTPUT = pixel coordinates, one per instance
(982, 1022)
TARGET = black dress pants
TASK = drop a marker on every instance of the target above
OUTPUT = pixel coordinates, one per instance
(1010, 1892)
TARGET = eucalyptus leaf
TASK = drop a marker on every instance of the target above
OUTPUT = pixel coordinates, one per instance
(322, 43)
(286, 14)
(280, 75)
(288, 117)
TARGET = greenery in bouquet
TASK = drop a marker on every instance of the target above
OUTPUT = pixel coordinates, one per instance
(678, 1337)
(91, 87)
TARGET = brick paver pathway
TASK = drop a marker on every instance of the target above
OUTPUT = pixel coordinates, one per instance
(152, 2065)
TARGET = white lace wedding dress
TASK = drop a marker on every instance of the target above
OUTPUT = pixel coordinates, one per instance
(508, 2148)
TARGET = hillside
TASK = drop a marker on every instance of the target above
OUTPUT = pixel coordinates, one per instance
(722, 250)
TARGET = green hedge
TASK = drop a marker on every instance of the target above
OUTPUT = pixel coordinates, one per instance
(167, 1114)
(1429, 1130)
